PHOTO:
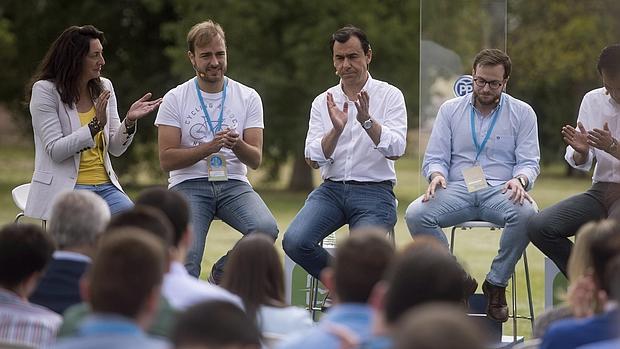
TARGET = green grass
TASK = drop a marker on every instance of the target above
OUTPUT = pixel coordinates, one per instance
(474, 248)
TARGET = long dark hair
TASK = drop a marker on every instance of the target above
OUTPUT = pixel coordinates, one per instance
(63, 63)
(254, 273)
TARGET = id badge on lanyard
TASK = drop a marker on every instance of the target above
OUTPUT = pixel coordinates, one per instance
(474, 176)
(216, 163)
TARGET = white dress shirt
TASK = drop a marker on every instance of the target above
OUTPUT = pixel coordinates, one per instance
(71, 256)
(182, 290)
(356, 157)
(596, 109)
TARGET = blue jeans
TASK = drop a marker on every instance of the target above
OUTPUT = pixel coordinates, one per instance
(329, 207)
(232, 201)
(116, 199)
(455, 205)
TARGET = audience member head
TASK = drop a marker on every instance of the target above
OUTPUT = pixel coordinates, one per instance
(149, 219)
(126, 274)
(580, 260)
(25, 250)
(172, 204)
(254, 273)
(78, 218)
(605, 247)
(215, 325)
(358, 265)
(438, 326)
(423, 272)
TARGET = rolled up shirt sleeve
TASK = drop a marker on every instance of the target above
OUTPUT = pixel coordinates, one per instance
(314, 137)
(568, 156)
(394, 128)
(439, 148)
(527, 151)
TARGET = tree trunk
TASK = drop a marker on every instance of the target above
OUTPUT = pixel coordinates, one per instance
(301, 177)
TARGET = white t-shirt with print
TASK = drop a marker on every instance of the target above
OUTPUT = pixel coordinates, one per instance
(181, 108)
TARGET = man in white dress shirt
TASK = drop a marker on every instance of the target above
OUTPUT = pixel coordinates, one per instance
(598, 124)
(356, 131)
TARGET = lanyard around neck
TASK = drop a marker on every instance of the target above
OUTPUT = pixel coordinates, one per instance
(494, 116)
(220, 120)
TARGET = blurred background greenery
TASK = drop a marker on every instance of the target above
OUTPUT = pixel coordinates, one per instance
(280, 48)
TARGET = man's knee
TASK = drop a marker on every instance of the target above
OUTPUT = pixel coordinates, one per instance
(537, 230)
(416, 217)
(267, 226)
(295, 242)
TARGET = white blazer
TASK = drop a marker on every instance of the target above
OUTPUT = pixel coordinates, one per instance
(59, 140)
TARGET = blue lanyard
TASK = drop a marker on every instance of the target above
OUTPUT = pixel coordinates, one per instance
(220, 120)
(480, 147)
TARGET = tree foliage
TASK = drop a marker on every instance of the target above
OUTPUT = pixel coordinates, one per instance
(280, 48)
(554, 46)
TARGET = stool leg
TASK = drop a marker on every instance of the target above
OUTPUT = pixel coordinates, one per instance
(314, 295)
(514, 307)
(452, 240)
(529, 289)
(392, 237)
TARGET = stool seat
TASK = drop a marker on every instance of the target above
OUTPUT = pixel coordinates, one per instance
(20, 195)
(478, 224)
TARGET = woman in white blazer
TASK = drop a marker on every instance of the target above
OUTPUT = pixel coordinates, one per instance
(76, 123)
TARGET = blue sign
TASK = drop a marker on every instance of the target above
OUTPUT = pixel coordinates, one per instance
(463, 85)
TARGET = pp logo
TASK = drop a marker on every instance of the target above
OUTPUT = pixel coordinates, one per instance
(463, 85)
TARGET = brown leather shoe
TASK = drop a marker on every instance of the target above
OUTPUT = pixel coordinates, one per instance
(497, 308)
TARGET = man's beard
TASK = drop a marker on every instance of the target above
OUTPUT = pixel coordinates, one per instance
(487, 99)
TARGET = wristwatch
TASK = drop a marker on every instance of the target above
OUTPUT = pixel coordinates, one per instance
(367, 124)
(523, 181)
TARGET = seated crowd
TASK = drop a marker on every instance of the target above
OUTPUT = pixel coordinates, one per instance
(96, 281)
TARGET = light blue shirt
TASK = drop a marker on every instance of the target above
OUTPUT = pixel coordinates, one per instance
(611, 344)
(110, 331)
(353, 318)
(512, 148)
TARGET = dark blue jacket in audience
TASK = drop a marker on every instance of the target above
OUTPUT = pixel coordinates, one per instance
(59, 288)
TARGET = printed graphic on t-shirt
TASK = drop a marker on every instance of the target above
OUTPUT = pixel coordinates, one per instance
(199, 131)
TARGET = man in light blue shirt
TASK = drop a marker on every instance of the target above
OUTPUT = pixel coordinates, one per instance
(481, 159)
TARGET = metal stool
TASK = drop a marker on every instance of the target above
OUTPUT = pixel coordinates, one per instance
(20, 196)
(515, 316)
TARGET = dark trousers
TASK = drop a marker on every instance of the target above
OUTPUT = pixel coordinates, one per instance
(550, 228)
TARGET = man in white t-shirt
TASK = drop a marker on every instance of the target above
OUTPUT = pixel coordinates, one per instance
(210, 128)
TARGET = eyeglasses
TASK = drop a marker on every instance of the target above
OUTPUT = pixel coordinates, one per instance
(492, 84)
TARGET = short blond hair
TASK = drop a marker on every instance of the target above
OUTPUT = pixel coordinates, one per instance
(202, 34)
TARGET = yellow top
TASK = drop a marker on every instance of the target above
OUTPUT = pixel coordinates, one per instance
(92, 171)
